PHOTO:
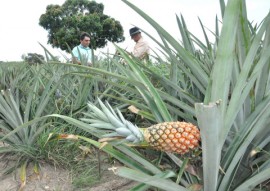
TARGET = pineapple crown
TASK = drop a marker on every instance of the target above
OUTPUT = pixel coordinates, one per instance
(107, 120)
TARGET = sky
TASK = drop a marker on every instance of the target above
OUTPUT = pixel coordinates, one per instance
(20, 32)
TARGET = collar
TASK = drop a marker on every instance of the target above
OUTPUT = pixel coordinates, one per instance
(140, 40)
(81, 46)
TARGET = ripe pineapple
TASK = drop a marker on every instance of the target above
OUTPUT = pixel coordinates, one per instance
(177, 137)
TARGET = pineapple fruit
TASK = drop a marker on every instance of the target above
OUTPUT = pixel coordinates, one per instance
(176, 137)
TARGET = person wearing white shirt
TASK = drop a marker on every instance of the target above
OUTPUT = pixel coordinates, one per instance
(141, 49)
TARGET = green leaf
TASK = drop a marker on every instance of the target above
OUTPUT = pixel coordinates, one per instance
(221, 73)
(155, 181)
(151, 95)
(209, 121)
(116, 154)
(245, 81)
(252, 182)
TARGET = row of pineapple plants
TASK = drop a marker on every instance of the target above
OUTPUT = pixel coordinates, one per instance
(28, 94)
(222, 89)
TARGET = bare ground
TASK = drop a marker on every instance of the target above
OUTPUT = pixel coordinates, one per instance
(51, 178)
(56, 179)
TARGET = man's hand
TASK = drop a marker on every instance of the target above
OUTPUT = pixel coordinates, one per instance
(89, 64)
(76, 61)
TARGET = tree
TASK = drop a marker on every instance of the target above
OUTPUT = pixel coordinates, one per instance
(65, 24)
(33, 58)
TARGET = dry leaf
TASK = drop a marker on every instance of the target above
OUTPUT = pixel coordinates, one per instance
(133, 109)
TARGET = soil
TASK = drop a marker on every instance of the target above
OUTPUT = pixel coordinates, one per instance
(57, 179)
(51, 178)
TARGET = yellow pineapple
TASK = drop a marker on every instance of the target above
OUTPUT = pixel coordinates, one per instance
(177, 137)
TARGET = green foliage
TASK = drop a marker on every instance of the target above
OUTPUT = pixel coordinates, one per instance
(82, 162)
(28, 94)
(65, 24)
(23, 103)
(227, 81)
(33, 58)
(233, 78)
(223, 87)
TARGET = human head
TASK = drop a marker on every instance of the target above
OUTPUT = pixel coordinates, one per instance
(85, 39)
(135, 33)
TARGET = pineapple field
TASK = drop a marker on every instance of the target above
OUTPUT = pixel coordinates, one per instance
(194, 117)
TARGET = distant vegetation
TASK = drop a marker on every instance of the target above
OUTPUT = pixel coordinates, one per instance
(33, 58)
(65, 24)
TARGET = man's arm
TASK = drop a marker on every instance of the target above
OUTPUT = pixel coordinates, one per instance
(75, 56)
(89, 58)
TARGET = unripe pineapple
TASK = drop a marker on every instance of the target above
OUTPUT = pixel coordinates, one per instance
(178, 137)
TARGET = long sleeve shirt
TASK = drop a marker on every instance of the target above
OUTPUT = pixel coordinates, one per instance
(141, 49)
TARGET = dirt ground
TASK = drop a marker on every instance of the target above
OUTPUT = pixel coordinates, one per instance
(55, 179)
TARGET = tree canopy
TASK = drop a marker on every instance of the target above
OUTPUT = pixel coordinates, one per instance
(33, 58)
(65, 24)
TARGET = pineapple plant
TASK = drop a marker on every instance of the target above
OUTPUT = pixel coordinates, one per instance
(173, 137)
(229, 86)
